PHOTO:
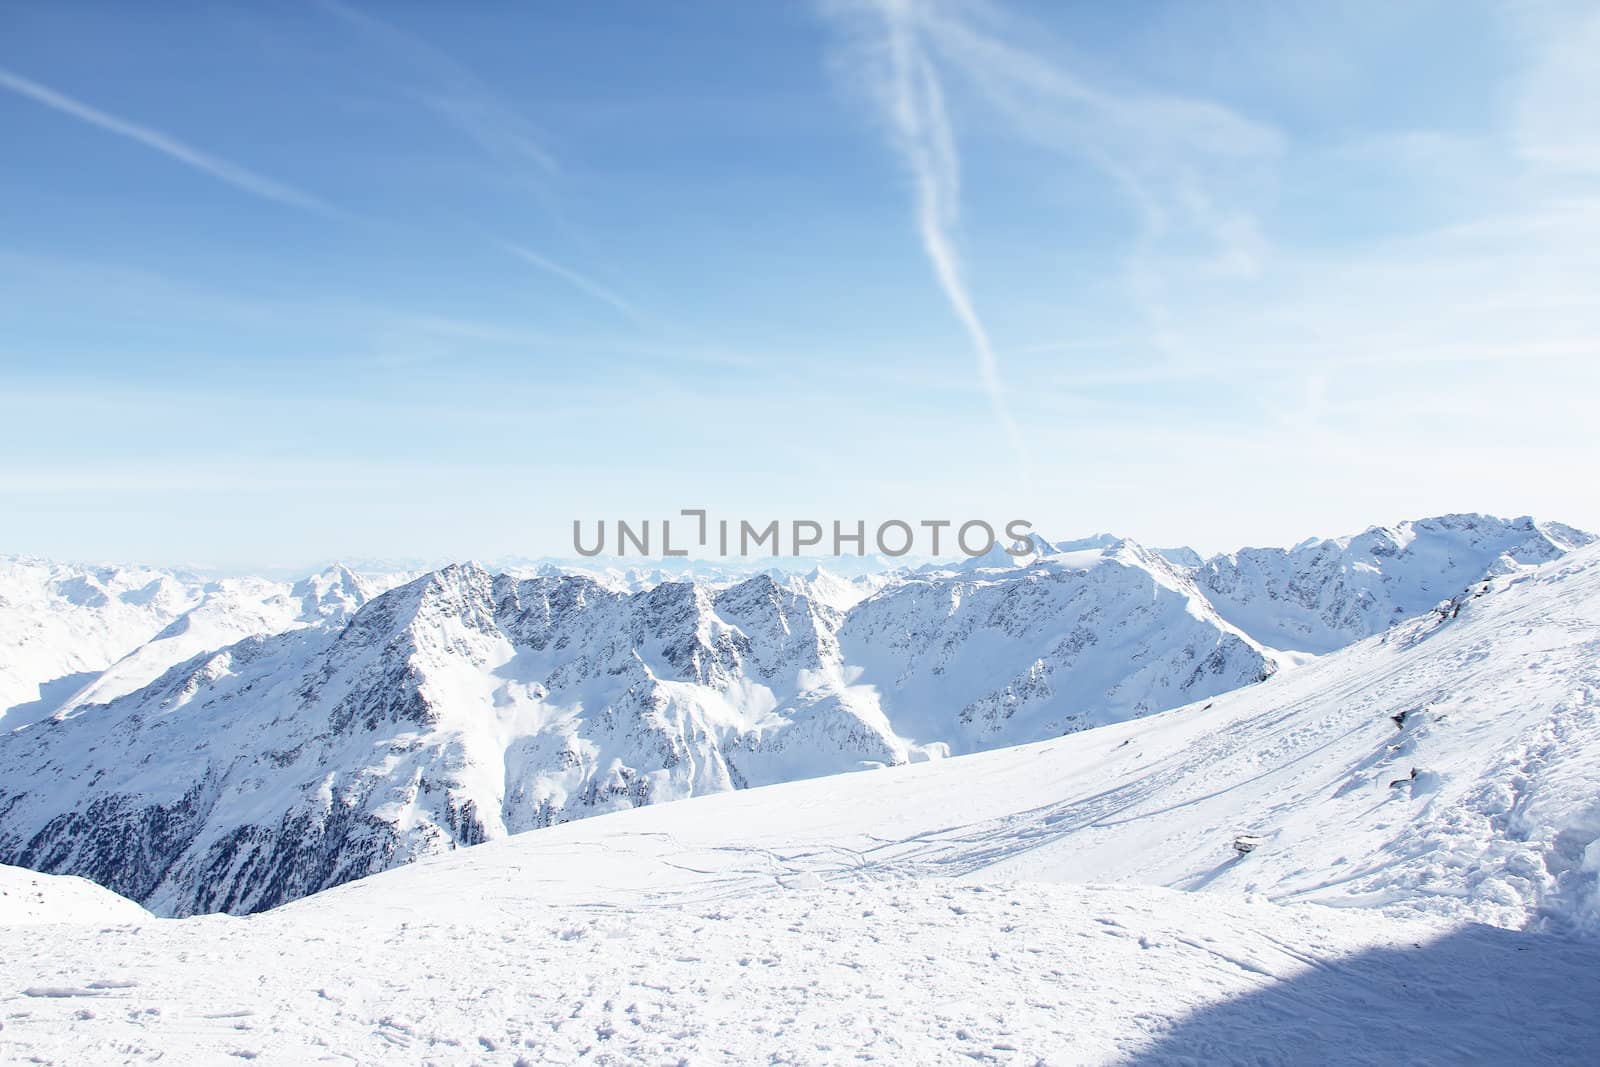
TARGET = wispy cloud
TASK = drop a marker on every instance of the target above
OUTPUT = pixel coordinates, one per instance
(452, 92)
(233, 174)
(580, 281)
(906, 83)
(1455, 305)
(1167, 154)
(1185, 166)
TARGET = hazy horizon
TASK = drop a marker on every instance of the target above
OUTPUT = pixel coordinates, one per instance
(698, 558)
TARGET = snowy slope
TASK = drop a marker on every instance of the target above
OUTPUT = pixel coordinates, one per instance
(28, 897)
(992, 657)
(477, 967)
(72, 635)
(1322, 595)
(463, 707)
(59, 624)
(455, 709)
(935, 912)
(1501, 824)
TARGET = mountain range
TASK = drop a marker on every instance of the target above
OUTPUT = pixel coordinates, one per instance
(1389, 853)
(229, 745)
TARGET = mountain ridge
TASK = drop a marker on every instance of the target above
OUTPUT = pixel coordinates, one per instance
(463, 706)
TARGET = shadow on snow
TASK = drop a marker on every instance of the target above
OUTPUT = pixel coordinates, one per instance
(1478, 995)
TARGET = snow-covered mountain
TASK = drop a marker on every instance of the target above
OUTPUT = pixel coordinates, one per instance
(1322, 595)
(1013, 654)
(73, 635)
(347, 735)
(59, 625)
(1432, 788)
(463, 707)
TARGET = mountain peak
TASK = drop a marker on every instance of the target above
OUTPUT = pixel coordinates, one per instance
(462, 706)
(1099, 540)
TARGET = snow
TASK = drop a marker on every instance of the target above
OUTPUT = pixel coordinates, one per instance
(1501, 706)
(72, 635)
(1322, 595)
(1076, 900)
(884, 971)
(1182, 556)
(28, 897)
(1077, 639)
(463, 707)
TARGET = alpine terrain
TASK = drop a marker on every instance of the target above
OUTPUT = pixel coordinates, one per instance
(1388, 853)
(355, 730)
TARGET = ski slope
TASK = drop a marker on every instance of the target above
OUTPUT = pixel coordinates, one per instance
(1071, 901)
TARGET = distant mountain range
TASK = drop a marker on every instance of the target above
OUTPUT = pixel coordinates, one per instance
(228, 745)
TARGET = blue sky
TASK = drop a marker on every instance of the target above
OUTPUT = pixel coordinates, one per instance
(280, 283)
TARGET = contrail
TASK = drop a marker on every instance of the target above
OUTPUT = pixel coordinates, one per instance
(588, 285)
(922, 130)
(463, 100)
(235, 175)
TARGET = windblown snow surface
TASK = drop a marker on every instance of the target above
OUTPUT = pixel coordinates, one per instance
(30, 897)
(1426, 890)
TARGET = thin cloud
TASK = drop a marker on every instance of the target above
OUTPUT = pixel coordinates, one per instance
(580, 281)
(908, 88)
(1188, 167)
(457, 95)
(231, 173)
